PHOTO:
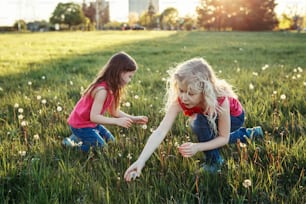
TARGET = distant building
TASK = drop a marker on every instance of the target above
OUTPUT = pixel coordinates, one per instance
(140, 6)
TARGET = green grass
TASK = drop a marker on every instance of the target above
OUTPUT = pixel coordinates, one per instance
(56, 66)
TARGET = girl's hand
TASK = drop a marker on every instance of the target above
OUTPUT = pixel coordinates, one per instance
(124, 122)
(188, 149)
(140, 119)
(133, 171)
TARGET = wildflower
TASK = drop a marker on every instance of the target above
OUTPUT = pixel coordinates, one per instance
(294, 70)
(129, 156)
(24, 123)
(242, 145)
(22, 153)
(20, 117)
(119, 154)
(304, 83)
(71, 83)
(298, 76)
(20, 110)
(238, 70)
(283, 97)
(127, 104)
(36, 137)
(144, 126)
(16, 105)
(29, 83)
(247, 183)
(300, 69)
(43, 77)
(274, 92)
(255, 74)
(1, 89)
(265, 67)
(59, 108)
(136, 96)
(38, 97)
(251, 86)
(44, 101)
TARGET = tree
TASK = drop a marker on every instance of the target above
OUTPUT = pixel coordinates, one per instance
(237, 15)
(168, 18)
(68, 13)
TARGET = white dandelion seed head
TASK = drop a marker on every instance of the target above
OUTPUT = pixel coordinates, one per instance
(44, 101)
(283, 97)
(43, 77)
(59, 108)
(24, 123)
(300, 69)
(38, 97)
(304, 83)
(20, 110)
(20, 117)
(274, 92)
(294, 70)
(22, 153)
(127, 104)
(144, 126)
(238, 70)
(29, 83)
(1, 89)
(136, 97)
(71, 83)
(16, 105)
(247, 183)
(251, 86)
(36, 137)
(255, 74)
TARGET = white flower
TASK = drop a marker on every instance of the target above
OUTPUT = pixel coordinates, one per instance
(43, 77)
(129, 156)
(238, 70)
(44, 101)
(127, 104)
(251, 86)
(247, 183)
(38, 97)
(242, 145)
(20, 117)
(71, 83)
(16, 105)
(24, 123)
(29, 83)
(59, 108)
(136, 96)
(304, 83)
(283, 97)
(144, 126)
(36, 137)
(300, 69)
(274, 92)
(22, 153)
(255, 74)
(265, 67)
(20, 110)
(1, 89)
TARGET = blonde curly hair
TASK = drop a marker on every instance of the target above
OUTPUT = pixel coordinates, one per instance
(198, 76)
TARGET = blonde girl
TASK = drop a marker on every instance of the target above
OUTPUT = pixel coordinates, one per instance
(87, 119)
(216, 115)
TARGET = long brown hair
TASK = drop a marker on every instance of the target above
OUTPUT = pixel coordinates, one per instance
(111, 73)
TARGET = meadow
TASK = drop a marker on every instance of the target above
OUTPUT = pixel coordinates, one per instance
(43, 74)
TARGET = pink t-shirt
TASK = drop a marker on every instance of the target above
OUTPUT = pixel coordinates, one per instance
(80, 116)
(235, 107)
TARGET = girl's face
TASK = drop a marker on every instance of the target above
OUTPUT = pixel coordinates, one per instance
(189, 99)
(126, 77)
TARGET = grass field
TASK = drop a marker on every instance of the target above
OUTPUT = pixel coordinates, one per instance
(42, 75)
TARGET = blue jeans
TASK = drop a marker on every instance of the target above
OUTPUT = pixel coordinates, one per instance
(97, 136)
(201, 128)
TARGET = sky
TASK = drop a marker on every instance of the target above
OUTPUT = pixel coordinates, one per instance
(30, 10)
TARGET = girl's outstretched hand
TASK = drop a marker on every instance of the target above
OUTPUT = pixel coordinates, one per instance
(133, 171)
(188, 149)
(140, 119)
(124, 122)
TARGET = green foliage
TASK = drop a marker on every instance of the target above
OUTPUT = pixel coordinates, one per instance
(68, 13)
(248, 15)
(42, 75)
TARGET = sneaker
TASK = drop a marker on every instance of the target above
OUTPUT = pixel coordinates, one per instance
(71, 141)
(255, 132)
(109, 138)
